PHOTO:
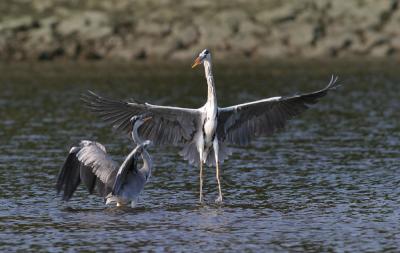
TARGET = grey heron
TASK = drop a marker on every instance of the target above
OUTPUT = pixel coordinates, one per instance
(89, 163)
(205, 132)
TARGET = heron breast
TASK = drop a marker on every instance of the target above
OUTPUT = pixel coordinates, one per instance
(210, 126)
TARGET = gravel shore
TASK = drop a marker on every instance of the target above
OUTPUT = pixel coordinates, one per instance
(167, 29)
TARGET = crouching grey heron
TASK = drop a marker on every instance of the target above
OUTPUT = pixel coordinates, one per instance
(205, 132)
(89, 163)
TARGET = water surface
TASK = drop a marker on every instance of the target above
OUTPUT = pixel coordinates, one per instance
(329, 182)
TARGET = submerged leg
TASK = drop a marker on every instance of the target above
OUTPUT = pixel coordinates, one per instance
(201, 178)
(215, 146)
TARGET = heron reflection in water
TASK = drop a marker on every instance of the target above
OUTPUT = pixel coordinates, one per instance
(205, 132)
(89, 163)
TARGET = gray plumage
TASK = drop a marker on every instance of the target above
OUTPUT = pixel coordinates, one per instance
(237, 125)
(169, 125)
(205, 132)
(129, 181)
(89, 163)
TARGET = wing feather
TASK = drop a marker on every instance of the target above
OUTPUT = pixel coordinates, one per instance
(68, 178)
(93, 155)
(90, 164)
(129, 165)
(169, 125)
(240, 123)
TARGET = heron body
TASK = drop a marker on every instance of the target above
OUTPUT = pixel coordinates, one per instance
(89, 163)
(205, 132)
(208, 123)
(129, 181)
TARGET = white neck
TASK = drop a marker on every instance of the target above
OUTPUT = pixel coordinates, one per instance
(212, 96)
(147, 164)
(135, 134)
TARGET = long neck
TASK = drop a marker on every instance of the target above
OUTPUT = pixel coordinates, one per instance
(147, 164)
(135, 134)
(212, 96)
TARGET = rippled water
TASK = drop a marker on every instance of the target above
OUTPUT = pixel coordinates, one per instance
(329, 182)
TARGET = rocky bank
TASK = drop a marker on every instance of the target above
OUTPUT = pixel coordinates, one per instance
(168, 29)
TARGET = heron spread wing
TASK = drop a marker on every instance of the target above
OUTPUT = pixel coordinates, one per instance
(68, 179)
(90, 164)
(169, 125)
(93, 155)
(240, 123)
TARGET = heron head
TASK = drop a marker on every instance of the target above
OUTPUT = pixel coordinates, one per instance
(146, 143)
(140, 119)
(205, 54)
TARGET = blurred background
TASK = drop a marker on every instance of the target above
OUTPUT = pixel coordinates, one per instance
(176, 29)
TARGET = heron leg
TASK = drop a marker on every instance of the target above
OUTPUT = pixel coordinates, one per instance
(215, 146)
(219, 199)
(201, 180)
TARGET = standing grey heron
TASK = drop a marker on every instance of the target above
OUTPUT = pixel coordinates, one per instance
(91, 164)
(206, 131)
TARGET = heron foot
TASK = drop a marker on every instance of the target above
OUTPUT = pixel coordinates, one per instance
(219, 200)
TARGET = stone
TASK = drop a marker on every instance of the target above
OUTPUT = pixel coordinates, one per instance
(147, 27)
(185, 35)
(42, 5)
(297, 34)
(48, 22)
(89, 25)
(163, 48)
(392, 25)
(40, 36)
(361, 14)
(243, 44)
(21, 23)
(184, 55)
(213, 34)
(122, 54)
(164, 15)
(280, 14)
(272, 50)
(231, 18)
(250, 28)
(380, 51)
(198, 4)
(395, 42)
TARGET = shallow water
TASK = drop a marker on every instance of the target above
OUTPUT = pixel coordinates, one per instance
(329, 182)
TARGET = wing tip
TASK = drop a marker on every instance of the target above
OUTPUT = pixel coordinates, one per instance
(64, 179)
(333, 83)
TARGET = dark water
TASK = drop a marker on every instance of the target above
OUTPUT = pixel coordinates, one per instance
(329, 182)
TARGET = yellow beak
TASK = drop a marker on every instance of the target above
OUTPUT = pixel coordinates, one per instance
(196, 62)
(146, 119)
